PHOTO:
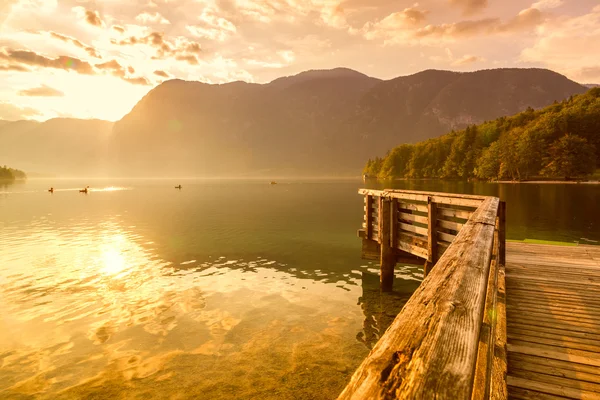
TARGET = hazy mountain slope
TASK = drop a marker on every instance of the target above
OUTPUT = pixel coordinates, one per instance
(317, 122)
(282, 127)
(61, 146)
(322, 122)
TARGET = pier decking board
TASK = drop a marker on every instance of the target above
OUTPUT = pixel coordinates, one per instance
(490, 320)
(553, 321)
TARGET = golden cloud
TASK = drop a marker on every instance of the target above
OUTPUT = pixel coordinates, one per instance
(89, 49)
(13, 67)
(93, 18)
(119, 71)
(470, 6)
(180, 48)
(161, 73)
(62, 62)
(152, 18)
(41, 91)
(467, 59)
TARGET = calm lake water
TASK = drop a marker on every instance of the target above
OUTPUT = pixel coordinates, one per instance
(225, 289)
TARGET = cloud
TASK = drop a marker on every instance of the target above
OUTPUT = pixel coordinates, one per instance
(89, 49)
(89, 16)
(190, 58)
(152, 18)
(467, 59)
(140, 80)
(470, 6)
(547, 4)
(395, 25)
(118, 28)
(212, 25)
(568, 45)
(31, 58)
(526, 19)
(42, 91)
(10, 112)
(93, 18)
(161, 73)
(116, 69)
(180, 48)
(14, 67)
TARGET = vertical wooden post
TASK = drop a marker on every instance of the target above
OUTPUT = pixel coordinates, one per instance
(387, 259)
(394, 223)
(431, 236)
(502, 233)
(369, 216)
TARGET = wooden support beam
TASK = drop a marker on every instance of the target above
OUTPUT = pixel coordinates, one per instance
(431, 236)
(387, 257)
(369, 216)
(393, 222)
(502, 232)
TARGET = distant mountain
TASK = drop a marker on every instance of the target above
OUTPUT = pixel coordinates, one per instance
(320, 122)
(317, 122)
(62, 146)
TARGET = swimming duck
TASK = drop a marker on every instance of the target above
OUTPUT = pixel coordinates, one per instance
(51, 190)
(178, 187)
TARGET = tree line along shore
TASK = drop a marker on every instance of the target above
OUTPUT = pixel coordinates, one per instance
(10, 174)
(560, 141)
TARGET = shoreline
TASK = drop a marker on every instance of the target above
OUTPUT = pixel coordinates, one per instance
(554, 182)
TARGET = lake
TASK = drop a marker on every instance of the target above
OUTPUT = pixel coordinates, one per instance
(223, 289)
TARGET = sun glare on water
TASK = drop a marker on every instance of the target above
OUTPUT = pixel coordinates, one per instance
(113, 261)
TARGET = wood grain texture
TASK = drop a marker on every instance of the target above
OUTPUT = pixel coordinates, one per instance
(431, 348)
(387, 260)
(553, 300)
(432, 251)
(369, 216)
(499, 389)
(441, 198)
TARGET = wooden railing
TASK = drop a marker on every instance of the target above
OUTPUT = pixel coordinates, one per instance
(449, 340)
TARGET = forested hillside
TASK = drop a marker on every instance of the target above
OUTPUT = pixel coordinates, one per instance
(561, 140)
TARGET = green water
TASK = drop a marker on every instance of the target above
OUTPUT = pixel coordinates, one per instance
(224, 289)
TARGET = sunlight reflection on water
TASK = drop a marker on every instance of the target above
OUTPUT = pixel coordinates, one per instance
(95, 306)
(87, 305)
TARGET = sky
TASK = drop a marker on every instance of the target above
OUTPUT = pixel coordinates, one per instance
(97, 59)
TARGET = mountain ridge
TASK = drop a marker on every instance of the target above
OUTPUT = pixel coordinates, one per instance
(318, 122)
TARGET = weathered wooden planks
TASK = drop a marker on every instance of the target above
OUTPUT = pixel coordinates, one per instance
(431, 348)
(440, 198)
(387, 259)
(432, 251)
(553, 321)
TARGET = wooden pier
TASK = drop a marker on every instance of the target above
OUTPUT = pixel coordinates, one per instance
(553, 321)
(452, 339)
